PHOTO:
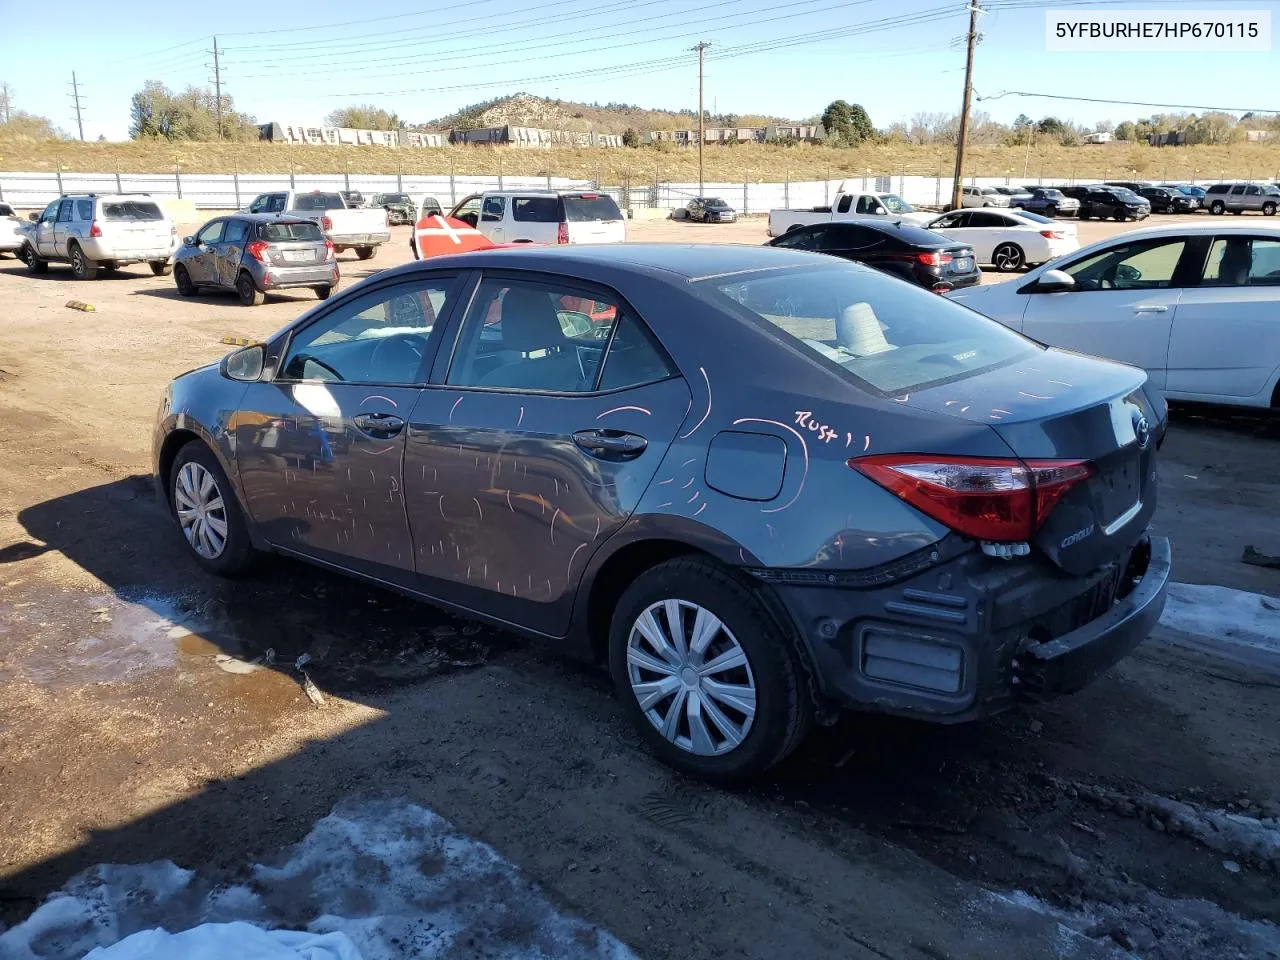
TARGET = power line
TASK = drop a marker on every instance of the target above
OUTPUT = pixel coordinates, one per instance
(1128, 103)
(75, 96)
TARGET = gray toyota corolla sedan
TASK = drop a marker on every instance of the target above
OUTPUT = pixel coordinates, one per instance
(761, 485)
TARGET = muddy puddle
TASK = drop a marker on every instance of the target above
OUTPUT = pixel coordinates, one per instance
(346, 637)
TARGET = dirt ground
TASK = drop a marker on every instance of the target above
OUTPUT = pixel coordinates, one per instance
(130, 731)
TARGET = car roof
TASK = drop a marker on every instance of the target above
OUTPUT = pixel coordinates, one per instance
(689, 261)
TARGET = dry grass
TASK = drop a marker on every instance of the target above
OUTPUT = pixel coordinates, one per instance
(734, 164)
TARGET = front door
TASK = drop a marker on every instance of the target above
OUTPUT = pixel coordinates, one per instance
(320, 448)
(228, 251)
(44, 230)
(200, 266)
(492, 215)
(1122, 307)
(1226, 336)
(532, 451)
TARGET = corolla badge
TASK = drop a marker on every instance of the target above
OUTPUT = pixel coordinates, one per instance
(1142, 431)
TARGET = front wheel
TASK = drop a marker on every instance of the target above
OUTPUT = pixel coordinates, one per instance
(183, 281)
(204, 505)
(161, 268)
(366, 253)
(1008, 257)
(248, 291)
(81, 266)
(33, 262)
(705, 672)
(1120, 216)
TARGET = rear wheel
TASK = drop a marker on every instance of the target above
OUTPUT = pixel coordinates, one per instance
(161, 268)
(1051, 211)
(324, 292)
(33, 262)
(204, 505)
(81, 266)
(248, 291)
(1217, 208)
(711, 681)
(183, 281)
(1009, 257)
(366, 253)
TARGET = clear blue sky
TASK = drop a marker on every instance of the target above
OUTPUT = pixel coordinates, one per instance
(294, 61)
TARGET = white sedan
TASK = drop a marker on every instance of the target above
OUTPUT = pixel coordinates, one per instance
(1008, 240)
(12, 236)
(1196, 305)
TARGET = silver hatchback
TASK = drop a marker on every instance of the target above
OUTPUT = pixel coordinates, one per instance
(255, 254)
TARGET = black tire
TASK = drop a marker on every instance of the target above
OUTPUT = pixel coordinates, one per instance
(1119, 216)
(1217, 208)
(81, 266)
(1051, 211)
(34, 263)
(183, 281)
(323, 293)
(1009, 258)
(161, 268)
(366, 253)
(248, 291)
(783, 709)
(237, 553)
(1268, 209)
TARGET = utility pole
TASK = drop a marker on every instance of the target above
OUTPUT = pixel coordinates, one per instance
(702, 133)
(963, 134)
(5, 96)
(75, 96)
(217, 87)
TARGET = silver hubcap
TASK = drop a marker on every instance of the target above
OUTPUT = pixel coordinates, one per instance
(691, 677)
(201, 511)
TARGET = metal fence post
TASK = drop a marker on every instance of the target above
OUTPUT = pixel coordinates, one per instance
(548, 176)
(500, 182)
(235, 180)
(59, 175)
(177, 178)
(399, 178)
(291, 183)
(119, 188)
(744, 197)
(453, 193)
(786, 189)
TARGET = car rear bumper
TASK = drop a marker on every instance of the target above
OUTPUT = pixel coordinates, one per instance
(967, 636)
(359, 239)
(312, 275)
(98, 251)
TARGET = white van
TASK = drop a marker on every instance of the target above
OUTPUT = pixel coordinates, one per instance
(543, 216)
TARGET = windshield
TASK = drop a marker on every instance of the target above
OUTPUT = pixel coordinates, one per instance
(131, 210)
(890, 337)
(591, 206)
(277, 232)
(392, 198)
(896, 204)
(318, 201)
(716, 202)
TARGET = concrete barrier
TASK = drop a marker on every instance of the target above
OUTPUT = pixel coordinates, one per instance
(180, 211)
(651, 213)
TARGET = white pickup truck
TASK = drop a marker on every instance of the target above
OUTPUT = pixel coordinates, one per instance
(347, 228)
(849, 204)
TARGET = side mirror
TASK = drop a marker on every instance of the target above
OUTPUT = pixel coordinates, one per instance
(33, 216)
(246, 364)
(191, 241)
(1054, 281)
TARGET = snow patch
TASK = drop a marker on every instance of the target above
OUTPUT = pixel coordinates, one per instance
(388, 878)
(1224, 615)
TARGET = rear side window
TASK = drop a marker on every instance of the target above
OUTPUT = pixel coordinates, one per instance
(588, 208)
(84, 210)
(236, 231)
(280, 232)
(318, 201)
(131, 210)
(889, 337)
(536, 209)
(1219, 188)
(634, 358)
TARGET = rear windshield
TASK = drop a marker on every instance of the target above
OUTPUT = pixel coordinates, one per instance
(318, 201)
(1034, 217)
(890, 337)
(537, 209)
(131, 210)
(596, 207)
(279, 232)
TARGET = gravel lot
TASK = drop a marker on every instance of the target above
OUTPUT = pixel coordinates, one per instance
(129, 734)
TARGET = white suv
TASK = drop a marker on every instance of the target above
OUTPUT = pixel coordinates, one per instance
(92, 232)
(533, 216)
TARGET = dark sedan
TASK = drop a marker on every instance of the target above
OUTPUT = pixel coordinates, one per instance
(1168, 200)
(765, 486)
(902, 249)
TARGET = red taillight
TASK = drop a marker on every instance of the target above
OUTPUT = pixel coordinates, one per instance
(326, 222)
(1003, 500)
(95, 230)
(589, 196)
(1052, 234)
(328, 250)
(938, 258)
(562, 233)
(258, 250)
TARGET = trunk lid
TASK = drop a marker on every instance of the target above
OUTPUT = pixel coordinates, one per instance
(1063, 406)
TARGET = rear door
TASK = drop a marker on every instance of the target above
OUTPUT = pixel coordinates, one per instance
(1226, 333)
(535, 444)
(593, 218)
(64, 227)
(1122, 307)
(228, 251)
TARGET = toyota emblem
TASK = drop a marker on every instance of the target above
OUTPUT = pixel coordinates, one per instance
(1142, 432)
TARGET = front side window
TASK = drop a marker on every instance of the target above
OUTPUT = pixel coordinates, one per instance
(868, 204)
(889, 337)
(1138, 265)
(493, 209)
(64, 211)
(211, 233)
(952, 221)
(1241, 262)
(50, 212)
(521, 335)
(380, 338)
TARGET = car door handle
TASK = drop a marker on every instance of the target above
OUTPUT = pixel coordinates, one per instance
(382, 426)
(1151, 308)
(611, 444)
